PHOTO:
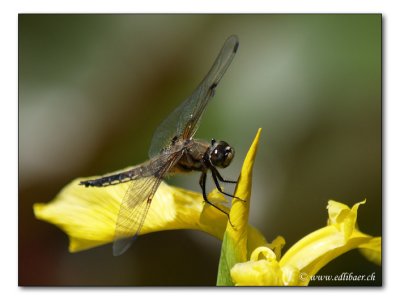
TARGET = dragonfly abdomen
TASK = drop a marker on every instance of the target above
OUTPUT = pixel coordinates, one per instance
(110, 180)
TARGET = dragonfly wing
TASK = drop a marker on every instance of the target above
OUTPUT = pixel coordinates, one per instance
(133, 211)
(184, 120)
(137, 199)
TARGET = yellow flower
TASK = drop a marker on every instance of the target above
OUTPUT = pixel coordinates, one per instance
(304, 259)
(88, 215)
(248, 261)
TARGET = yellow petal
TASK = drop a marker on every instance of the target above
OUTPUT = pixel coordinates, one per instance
(88, 215)
(342, 217)
(276, 245)
(310, 254)
(236, 239)
(317, 249)
(239, 214)
(258, 272)
(372, 250)
(263, 269)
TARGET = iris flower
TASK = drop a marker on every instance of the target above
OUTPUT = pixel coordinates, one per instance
(88, 216)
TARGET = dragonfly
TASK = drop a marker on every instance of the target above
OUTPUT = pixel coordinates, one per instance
(173, 150)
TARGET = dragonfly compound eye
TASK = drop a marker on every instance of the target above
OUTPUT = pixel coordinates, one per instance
(221, 154)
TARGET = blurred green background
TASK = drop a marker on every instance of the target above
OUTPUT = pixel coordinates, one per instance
(93, 88)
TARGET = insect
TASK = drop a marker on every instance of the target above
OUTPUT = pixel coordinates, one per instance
(173, 150)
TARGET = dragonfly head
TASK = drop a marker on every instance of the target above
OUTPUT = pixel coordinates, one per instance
(221, 154)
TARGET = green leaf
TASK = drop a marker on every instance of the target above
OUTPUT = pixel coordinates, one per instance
(226, 262)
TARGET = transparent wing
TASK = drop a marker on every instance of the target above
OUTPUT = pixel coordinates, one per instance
(133, 211)
(184, 120)
(137, 200)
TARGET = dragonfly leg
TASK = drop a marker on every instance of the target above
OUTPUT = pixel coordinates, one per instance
(202, 183)
(216, 176)
(219, 176)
